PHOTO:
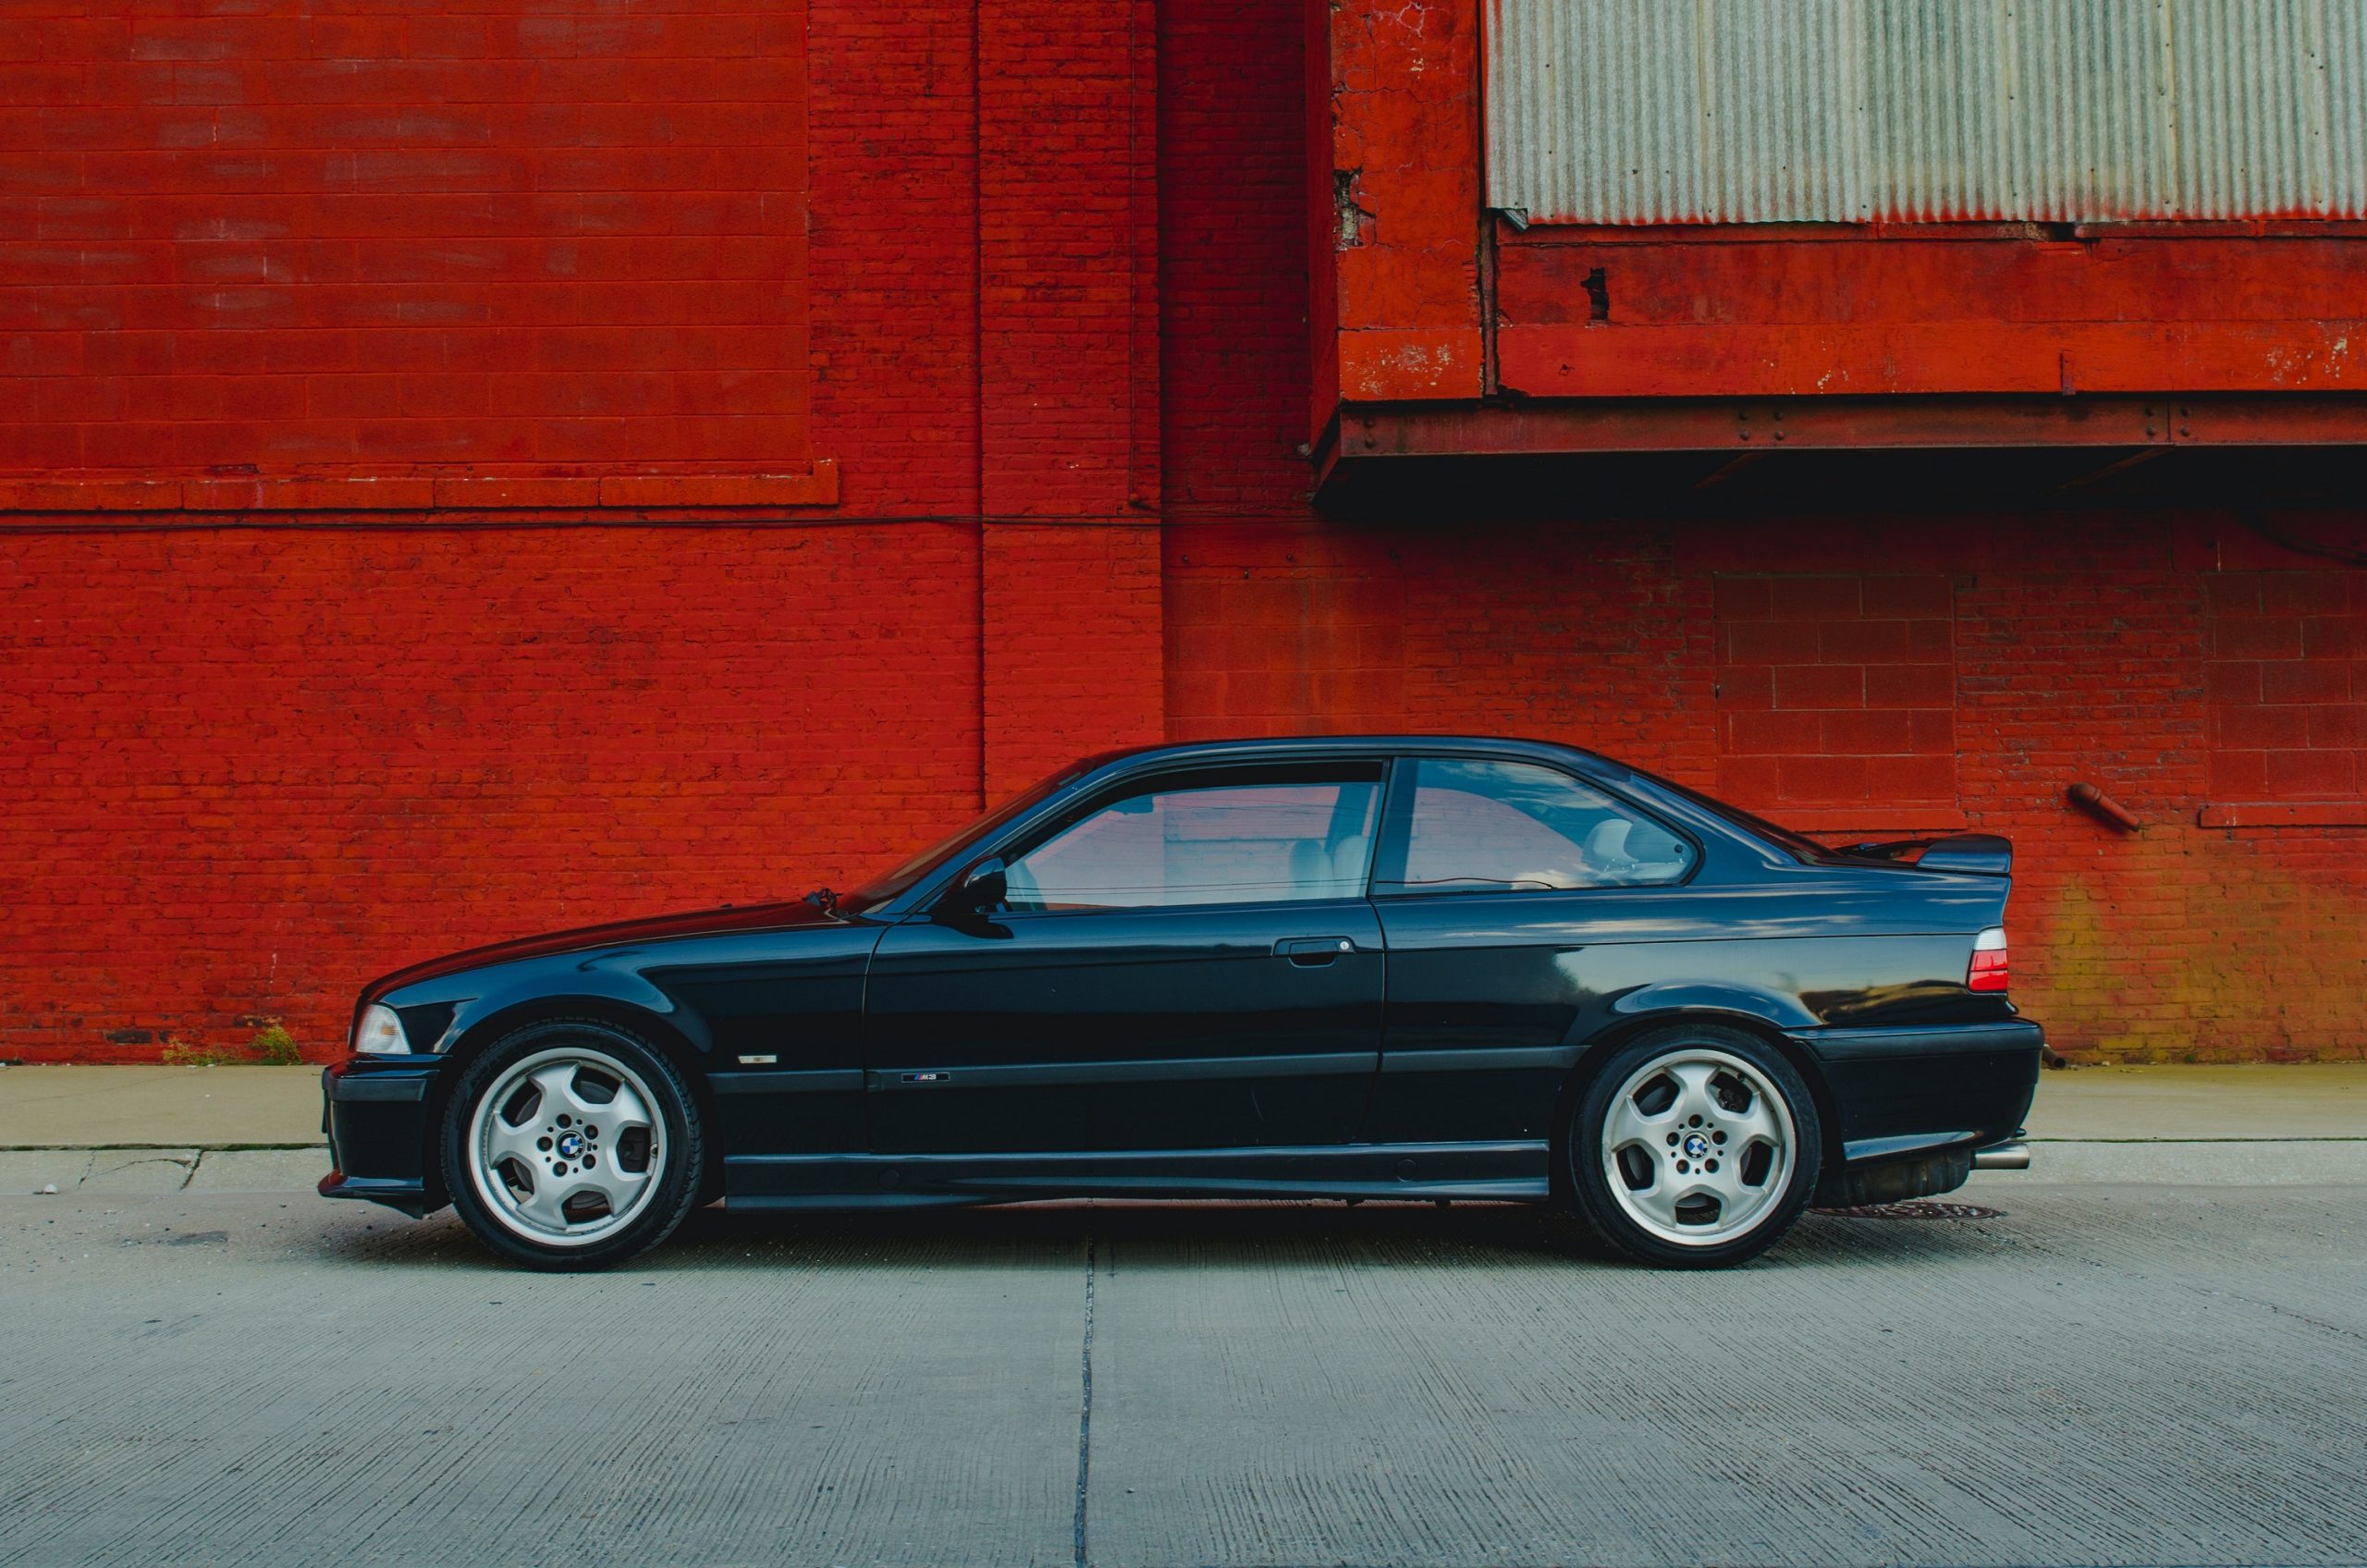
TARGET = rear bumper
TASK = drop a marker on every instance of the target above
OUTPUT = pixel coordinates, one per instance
(375, 1111)
(1920, 1109)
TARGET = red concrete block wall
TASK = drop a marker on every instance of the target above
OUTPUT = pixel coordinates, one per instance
(1836, 692)
(486, 234)
(2285, 667)
(2044, 653)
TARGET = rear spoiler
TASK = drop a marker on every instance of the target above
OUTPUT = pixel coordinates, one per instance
(1982, 855)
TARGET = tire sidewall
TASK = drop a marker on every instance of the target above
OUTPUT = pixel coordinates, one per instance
(678, 1186)
(1591, 1187)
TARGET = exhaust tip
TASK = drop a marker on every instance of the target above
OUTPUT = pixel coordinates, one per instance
(2003, 1156)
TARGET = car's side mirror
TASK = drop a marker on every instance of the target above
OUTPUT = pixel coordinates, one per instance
(984, 886)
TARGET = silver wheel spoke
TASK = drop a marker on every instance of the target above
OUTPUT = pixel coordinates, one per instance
(1756, 1125)
(622, 1185)
(505, 1142)
(547, 1204)
(1693, 1097)
(1659, 1200)
(1725, 1186)
(558, 1086)
(627, 1111)
(1628, 1124)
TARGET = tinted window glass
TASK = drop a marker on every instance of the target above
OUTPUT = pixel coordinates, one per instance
(1508, 826)
(891, 884)
(1242, 843)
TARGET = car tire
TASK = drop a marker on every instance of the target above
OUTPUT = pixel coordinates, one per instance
(572, 1145)
(1694, 1146)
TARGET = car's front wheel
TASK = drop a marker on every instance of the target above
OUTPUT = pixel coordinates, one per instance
(1694, 1146)
(572, 1145)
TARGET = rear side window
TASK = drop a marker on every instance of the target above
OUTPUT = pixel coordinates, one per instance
(1477, 826)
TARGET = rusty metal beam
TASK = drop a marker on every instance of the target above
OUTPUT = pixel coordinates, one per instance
(1406, 430)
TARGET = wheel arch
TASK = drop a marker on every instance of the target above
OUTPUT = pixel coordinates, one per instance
(1600, 1047)
(481, 1035)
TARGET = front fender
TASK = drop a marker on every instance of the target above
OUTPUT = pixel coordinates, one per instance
(605, 985)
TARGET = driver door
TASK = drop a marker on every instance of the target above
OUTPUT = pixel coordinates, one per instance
(1186, 961)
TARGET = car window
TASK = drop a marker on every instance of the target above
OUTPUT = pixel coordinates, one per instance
(1507, 827)
(1236, 844)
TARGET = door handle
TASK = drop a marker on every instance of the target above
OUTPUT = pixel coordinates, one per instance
(1309, 952)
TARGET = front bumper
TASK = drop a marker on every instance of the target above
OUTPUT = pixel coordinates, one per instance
(376, 1113)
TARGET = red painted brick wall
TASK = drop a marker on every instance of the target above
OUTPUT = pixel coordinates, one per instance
(244, 771)
(1071, 646)
(1058, 320)
(277, 236)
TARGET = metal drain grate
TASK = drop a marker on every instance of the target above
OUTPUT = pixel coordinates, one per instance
(1914, 1211)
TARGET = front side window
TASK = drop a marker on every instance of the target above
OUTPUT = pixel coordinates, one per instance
(1232, 844)
(1473, 826)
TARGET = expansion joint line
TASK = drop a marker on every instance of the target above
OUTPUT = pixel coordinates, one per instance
(1084, 1409)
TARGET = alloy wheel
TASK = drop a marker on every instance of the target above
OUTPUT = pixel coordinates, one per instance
(567, 1147)
(1697, 1146)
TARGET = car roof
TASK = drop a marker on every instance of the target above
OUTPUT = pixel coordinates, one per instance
(1247, 748)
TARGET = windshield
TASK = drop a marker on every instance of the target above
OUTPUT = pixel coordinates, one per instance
(888, 885)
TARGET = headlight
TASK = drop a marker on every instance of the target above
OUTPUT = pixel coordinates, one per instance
(379, 1032)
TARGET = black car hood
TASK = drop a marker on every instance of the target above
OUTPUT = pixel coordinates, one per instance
(615, 933)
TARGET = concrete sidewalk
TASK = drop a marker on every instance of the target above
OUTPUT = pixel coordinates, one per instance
(165, 1129)
(212, 1108)
(129, 1130)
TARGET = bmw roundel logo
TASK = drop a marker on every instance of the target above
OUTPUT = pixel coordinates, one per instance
(1695, 1145)
(570, 1144)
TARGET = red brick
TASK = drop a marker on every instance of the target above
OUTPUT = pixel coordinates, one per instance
(1743, 598)
(1910, 686)
(1880, 730)
(2301, 774)
(1911, 778)
(1773, 642)
(1863, 641)
(1757, 733)
(2256, 637)
(2261, 728)
(2304, 680)
(1915, 597)
(1820, 686)
(1819, 597)
(1821, 778)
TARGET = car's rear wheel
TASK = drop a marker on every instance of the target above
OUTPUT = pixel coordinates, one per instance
(1694, 1146)
(572, 1145)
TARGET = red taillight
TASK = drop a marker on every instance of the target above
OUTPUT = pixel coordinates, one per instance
(1988, 970)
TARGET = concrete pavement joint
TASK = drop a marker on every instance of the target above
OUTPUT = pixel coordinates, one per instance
(2354, 1139)
(153, 1147)
(1084, 1409)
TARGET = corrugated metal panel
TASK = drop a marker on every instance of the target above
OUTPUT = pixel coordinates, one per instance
(1777, 111)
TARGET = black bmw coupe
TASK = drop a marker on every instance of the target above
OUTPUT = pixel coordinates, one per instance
(1410, 967)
